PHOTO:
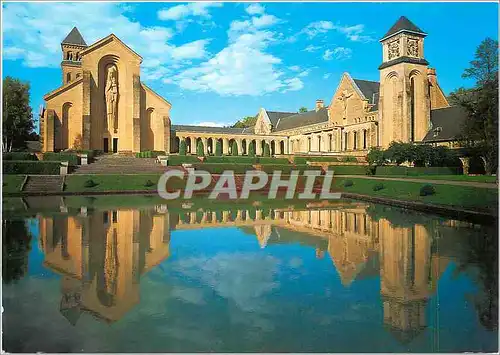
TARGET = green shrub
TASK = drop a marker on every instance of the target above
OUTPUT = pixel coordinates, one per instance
(31, 167)
(304, 160)
(427, 190)
(375, 157)
(149, 154)
(378, 187)
(19, 156)
(149, 183)
(71, 158)
(348, 183)
(218, 148)
(288, 168)
(251, 149)
(90, 183)
(267, 150)
(175, 160)
(370, 169)
(348, 169)
(200, 149)
(182, 147)
(433, 171)
(349, 159)
(391, 170)
(234, 149)
(231, 159)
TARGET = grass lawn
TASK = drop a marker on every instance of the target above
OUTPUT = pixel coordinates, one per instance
(459, 196)
(478, 178)
(76, 183)
(12, 183)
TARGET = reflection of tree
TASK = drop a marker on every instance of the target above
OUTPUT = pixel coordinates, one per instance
(16, 246)
(482, 252)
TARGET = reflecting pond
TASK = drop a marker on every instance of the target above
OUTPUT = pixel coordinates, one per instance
(85, 275)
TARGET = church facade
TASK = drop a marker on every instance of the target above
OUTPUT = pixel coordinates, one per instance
(104, 105)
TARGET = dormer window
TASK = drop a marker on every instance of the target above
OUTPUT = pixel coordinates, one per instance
(437, 130)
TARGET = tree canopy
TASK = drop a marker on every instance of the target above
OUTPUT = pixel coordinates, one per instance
(248, 121)
(17, 117)
(302, 109)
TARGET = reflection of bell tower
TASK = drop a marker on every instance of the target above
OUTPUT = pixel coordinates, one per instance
(71, 63)
(263, 232)
(406, 278)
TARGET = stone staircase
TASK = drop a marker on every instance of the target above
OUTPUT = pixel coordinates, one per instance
(43, 183)
(121, 164)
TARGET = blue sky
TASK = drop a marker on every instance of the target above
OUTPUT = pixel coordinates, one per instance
(218, 62)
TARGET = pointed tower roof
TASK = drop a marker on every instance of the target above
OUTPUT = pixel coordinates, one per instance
(403, 24)
(75, 38)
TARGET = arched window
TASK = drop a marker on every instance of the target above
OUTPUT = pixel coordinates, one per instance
(68, 77)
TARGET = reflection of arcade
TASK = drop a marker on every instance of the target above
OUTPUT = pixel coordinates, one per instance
(101, 257)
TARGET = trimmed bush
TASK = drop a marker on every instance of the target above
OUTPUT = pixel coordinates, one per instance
(149, 154)
(349, 159)
(378, 187)
(251, 149)
(231, 159)
(90, 183)
(348, 183)
(175, 160)
(19, 156)
(200, 149)
(409, 171)
(31, 167)
(348, 169)
(149, 183)
(265, 160)
(71, 158)
(288, 168)
(234, 149)
(219, 168)
(218, 148)
(304, 160)
(427, 190)
(267, 150)
(370, 169)
(182, 147)
(390, 170)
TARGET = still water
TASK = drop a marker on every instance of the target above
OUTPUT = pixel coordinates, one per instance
(85, 275)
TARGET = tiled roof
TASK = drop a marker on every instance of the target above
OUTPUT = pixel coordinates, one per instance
(206, 129)
(302, 119)
(371, 91)
(446, 124)
(74, 37)
(275, 116)
(403, 24)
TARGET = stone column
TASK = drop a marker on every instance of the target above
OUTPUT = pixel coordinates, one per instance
(166, 134)
(240, 146)
(193, 145)
(205, 145)
(225, 146)
(248, 142)
(48, 131)
(86, 111)
(136, 128)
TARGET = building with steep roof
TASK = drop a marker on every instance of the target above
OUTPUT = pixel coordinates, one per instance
(103, 105)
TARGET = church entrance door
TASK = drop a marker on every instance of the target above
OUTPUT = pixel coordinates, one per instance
(105, 145)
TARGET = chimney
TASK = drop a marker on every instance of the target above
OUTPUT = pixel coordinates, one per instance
(319, 104)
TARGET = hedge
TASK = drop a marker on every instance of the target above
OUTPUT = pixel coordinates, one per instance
(219, 168)
(71, 158)
(348, 169)
(303, 160)
(266, 160)
(149, 154)
(403, 170)
(174, 160)
(91, 154)
(31, 167)
(232, 160)
(19, 156)
(288, 168)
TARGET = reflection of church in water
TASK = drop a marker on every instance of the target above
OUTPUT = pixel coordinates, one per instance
(102, 254)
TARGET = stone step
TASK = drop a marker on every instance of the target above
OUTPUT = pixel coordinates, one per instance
(43, 183)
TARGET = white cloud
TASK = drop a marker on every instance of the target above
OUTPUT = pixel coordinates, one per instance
(304, 73)
(339, 53)
(211, 124)
(326, 76)
(182, 11)
(33, 33)
(255, 9)
(264, 21)
(294, 68)
(354, 33)
(317, 27)
(312, 48)
(293, 84)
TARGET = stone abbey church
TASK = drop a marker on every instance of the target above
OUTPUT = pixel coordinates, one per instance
(104, 105)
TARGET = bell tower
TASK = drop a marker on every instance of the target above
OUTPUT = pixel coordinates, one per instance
(71, 63)
(404, 104)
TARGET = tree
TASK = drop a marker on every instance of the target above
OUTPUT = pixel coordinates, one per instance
(251, 149)
(248, 121)
(16, 242)
(302, 109)
(17, 116)
(218, 148)
(479, 134)
(267, 151)
(200, 149)
(375, 157)
(182, 147)
(234, 149)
